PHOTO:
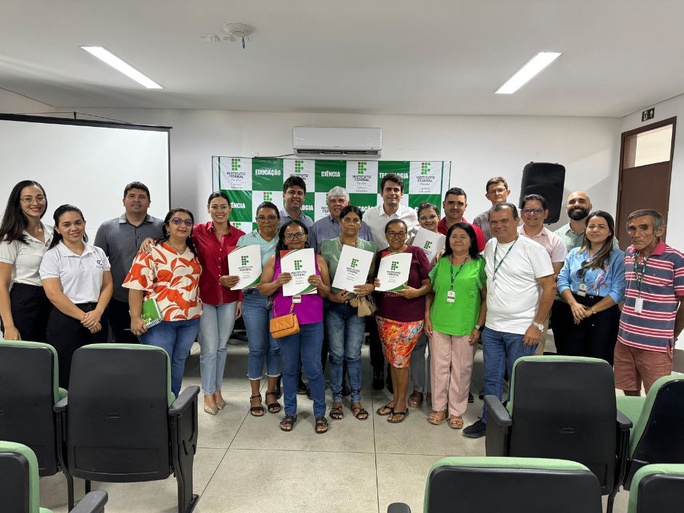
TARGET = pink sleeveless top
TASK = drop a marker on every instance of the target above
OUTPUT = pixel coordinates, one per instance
(309, 311)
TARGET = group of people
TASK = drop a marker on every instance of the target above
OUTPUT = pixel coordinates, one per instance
(498, 281)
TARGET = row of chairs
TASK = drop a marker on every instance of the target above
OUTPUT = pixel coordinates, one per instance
(19, 491)
(538, 485)
(119, 421)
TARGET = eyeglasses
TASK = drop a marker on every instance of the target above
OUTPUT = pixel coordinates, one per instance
(351, 220)
(178, 221)
(428, 218)
(295, 236)
(535, 211)
(262, 219)
(396, 235)
(27, 200)
(500, 190)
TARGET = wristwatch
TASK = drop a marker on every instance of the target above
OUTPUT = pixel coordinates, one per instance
(538, 325)
(593, 311)
(478, 327)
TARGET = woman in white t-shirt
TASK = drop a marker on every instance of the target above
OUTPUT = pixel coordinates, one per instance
(24, 239)
(78, 281)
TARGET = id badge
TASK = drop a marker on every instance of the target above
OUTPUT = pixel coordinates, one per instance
(296, 299)
(582, 290)
(451, 296)
(638, 304)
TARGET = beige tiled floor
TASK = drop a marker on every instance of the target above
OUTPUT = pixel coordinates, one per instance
(246, 464)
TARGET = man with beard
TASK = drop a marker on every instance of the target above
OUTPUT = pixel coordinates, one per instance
(329, 227)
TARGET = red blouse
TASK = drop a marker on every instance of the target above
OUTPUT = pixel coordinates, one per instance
(212, 254)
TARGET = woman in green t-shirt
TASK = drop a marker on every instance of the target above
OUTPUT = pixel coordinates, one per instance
(454, 317)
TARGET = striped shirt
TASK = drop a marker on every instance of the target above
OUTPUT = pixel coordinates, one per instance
(663, 284)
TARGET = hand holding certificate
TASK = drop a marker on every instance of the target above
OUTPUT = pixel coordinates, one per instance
(245, 263)
(430, 242)
(353, 268)
(300, 264)
(393, 271)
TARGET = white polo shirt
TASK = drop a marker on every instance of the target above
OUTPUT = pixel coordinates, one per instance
(80, 275)
(377, 219)
(513, 293)
(25, 258)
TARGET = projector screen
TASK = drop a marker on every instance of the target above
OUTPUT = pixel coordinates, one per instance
(84, 163)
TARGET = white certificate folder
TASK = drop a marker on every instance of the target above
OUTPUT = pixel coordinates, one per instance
(393, 271)
(352, 268)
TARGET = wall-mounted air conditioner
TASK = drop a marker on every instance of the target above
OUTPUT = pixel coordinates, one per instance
(337, 142)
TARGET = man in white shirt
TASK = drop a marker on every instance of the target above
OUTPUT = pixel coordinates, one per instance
(391, 191)
(520, 292)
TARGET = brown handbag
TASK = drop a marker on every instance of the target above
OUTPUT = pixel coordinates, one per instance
(284, 325)
(365, 305)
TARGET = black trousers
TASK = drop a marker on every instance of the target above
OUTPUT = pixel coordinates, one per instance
(595, 336)
(120, 322)
(66, 335)
(377, 357)
(30, 311)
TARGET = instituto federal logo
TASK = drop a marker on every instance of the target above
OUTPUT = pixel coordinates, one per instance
(298, 166)
(297, 265)
(427, 245)
(424, 168)
(244, 260)
(234, 164)
(361, 167)
(355, 262)
(394, 266)
(268, 196)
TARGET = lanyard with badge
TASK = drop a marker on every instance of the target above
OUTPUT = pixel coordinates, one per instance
(640, 272)
(496, 267)
(451, 295)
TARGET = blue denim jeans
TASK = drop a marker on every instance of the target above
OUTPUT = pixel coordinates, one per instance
(499, 349)
(305, 346)
(345, 330)
(262, 346)
(176, 338)
(215, 327)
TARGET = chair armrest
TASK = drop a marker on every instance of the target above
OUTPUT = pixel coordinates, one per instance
(184, 401)
(497, 412)
(93, 502)
(624, 422)
(398, 507)
(61, 406)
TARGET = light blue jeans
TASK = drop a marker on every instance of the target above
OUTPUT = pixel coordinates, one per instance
(176, 338)
(215, 327)
(305, 346)
(499, 349)
(262, 346)
(345, 330)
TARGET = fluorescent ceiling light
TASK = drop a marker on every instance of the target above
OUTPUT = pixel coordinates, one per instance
(123, 67)
(528, 72)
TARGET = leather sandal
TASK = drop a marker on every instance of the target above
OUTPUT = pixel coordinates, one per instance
(358, 411)
(456, 422)
(321, 425)
(336, 412)
(256, 411)
(288, 422)
(415, 400)
(437, 417)
(275, 406)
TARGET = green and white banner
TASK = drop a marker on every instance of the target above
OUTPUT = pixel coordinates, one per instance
(250, 181)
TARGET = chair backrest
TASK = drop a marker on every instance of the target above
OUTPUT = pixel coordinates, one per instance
(28, 391)
(512, 485)
(564, 407)
(657, 488)
(117, 418)
(19, 492)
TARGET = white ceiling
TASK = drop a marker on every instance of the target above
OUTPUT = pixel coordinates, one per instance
(353, 56)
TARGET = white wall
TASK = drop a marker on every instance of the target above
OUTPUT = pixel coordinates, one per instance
(664, 110)
(478, 146)
(11, 103)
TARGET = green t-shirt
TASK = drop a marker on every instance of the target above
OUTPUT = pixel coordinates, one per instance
(460, 317)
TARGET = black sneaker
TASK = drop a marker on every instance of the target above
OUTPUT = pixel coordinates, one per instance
(378, 380)
(476, 430)
(471, 398)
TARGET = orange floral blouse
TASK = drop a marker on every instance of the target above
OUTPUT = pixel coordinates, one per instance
(170, 278)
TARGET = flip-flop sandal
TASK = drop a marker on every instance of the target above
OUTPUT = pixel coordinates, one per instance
(397, 417)
(385, 410)
(288, 422)
(275, 406)
(358, 411)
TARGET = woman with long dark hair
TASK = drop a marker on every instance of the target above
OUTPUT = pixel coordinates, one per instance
(305, 346)
(591, 283)
(78, 282)
(454, 317)
(168, 273)
(24, 239)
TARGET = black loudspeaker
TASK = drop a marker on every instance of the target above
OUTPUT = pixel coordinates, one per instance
(547, 180)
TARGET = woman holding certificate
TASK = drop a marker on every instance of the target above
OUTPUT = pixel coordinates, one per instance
(591, 283)
(305, 346)
(401, 311)
(454, 315)
(221, 306)
(256, 312)
(169, 273)
(344, 327)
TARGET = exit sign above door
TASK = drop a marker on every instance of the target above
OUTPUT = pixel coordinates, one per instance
(647, 114)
